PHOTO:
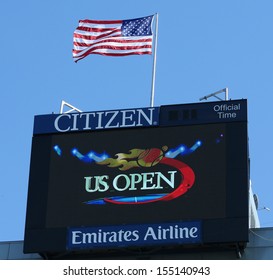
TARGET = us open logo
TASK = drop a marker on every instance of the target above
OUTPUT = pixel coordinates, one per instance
(129, 186)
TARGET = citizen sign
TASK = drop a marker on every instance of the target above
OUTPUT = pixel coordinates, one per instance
(104, 120)
(85, 121)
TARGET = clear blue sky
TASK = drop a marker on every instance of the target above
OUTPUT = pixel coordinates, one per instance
(203, 46)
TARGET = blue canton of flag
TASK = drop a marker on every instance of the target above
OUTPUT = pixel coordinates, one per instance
(137, 27)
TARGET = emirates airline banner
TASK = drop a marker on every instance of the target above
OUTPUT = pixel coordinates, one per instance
(132, 235)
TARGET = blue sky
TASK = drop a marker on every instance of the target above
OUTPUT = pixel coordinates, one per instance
(203, 46)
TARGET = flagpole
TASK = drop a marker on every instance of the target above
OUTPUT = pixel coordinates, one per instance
(154, 62)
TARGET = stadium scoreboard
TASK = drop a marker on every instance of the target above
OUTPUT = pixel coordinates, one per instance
(172, 175)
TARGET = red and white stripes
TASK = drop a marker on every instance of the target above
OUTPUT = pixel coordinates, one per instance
(105, 37)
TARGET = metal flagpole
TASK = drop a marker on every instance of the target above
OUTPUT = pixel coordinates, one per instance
(154, 61)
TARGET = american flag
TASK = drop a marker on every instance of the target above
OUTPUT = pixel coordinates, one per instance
(113, 37)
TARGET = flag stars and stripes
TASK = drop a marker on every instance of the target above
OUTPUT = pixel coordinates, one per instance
(113, 37)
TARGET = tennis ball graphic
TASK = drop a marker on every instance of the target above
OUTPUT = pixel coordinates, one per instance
(150, 157)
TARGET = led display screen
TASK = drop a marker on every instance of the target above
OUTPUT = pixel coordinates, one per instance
(135, 172)
(170, 184)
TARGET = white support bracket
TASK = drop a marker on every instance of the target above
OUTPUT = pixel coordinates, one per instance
(72, 108)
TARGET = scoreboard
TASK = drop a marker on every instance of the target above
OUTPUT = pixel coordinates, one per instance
(173, 175)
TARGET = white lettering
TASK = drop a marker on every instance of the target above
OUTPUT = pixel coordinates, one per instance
(147, 180)
(75, 118)
(149, 119)
(100, 184)
(127, 182)
(56, 123)
(169, 182)
(75, 236)
(135, 179)
(89, 237)
(99, 125)
(101, 120)
(100, 236)
(150, 234)
(131, 182)
(127, 115)
(193, 232)
(109, 123)
(223, 115)
(87, 120)
(123, 234)
(170, 232)
(224, 111)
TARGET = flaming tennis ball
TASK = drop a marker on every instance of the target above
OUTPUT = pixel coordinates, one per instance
(150, 157)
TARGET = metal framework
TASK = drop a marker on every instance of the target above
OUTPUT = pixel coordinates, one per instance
(225, 90)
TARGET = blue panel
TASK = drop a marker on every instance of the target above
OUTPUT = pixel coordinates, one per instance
(85, 121)
(134, 235)
(205, 112)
